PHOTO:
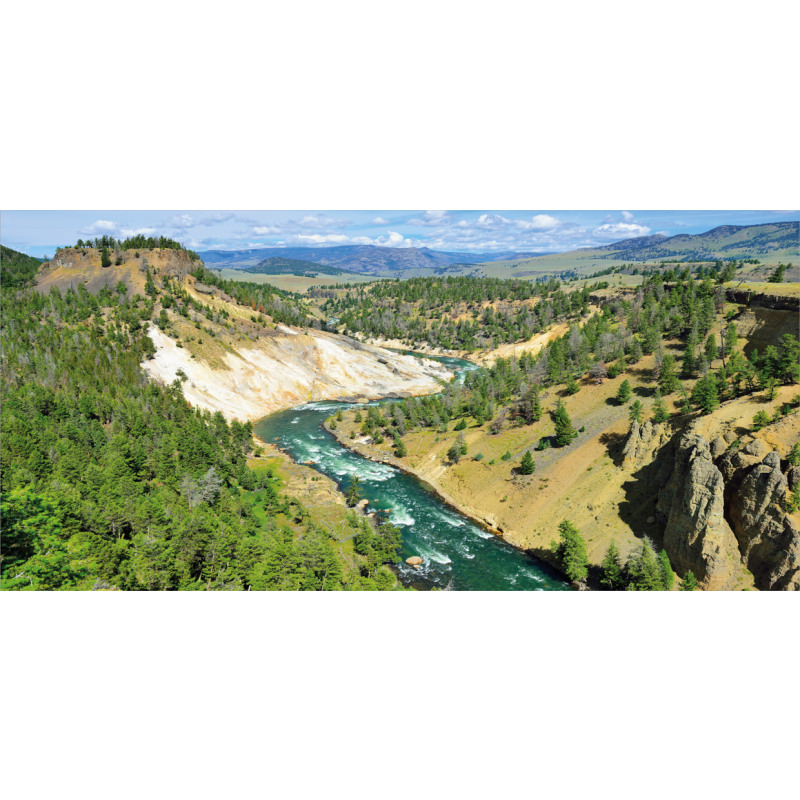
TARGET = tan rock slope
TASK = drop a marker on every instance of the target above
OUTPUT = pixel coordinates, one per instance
(291, 368)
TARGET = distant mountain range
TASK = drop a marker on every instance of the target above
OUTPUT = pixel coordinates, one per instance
(726, 241)
(364, 259)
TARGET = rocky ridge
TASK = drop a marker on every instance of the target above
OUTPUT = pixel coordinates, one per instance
(722, 506)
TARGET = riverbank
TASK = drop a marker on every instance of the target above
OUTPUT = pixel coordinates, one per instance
(487, 521)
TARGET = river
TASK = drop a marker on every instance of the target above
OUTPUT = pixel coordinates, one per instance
(458, 553)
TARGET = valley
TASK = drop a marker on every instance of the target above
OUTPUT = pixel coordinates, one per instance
(508, 425)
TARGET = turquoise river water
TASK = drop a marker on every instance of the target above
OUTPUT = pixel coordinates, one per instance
(458, 553)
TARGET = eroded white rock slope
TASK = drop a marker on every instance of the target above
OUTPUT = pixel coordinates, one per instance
(293, 368)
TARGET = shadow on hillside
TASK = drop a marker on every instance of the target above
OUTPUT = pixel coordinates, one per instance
(639, 505)
(645, 391)
(614, 443)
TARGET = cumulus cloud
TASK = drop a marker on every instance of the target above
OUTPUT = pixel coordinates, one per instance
(320, 238)
(627, 216)
(266, 230)
(106, 226)
(539, 222)
(380, 221)
(432, 218)
(182, 221)
(620, 230)
(319, 221)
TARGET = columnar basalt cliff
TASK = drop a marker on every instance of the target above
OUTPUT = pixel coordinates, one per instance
(697, 536)
(755, 500)
(723, 510)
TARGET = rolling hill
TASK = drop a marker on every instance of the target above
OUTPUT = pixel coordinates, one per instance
(278, 265)
(725, 241)
(364, 259)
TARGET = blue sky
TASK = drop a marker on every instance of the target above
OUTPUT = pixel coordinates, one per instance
(40, 232)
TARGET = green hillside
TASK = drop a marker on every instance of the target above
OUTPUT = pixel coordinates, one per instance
(17, 269)
(278, 265)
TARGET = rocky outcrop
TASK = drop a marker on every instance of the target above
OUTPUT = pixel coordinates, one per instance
(755, 497)
(697, 536)
(288, 368)
(643, 442)
(725, 509)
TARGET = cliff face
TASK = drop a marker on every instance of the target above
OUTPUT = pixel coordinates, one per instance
(289, 368)
(74, 266)
(697, 536)
(722, 510)
(755, 496)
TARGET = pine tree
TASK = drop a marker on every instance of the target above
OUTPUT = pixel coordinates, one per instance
(624, 392)
(354, 492)
(705, 394)
(565, 433)
(660, 413)
(689, 363)
(711, 348)
(689, 582)
(572, 385)
(571, 552)
(668, 378)
(635, 411)
(667, 575)
(794, 455)
(105, 258)
(527, 465)
(643, 569)
(612, 568)
(731, 339)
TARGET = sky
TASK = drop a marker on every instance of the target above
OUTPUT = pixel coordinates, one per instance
(38, 233)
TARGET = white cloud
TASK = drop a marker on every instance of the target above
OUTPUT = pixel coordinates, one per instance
(431, 218)
(620, 230)
(265, 230)
(380, 221)
(319, 238)
(319, 221)
(539, 222)
(182, 221)
(627, 216)
(101, 226)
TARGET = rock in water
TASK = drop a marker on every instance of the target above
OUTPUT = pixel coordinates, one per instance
(414, 561)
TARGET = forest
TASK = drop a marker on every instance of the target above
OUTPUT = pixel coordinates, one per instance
(608, 343)
(110, 481)
(457, 313)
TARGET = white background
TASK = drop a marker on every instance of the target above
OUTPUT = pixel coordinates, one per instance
(350, 105)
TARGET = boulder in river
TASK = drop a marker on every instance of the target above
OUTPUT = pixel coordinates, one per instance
(414, 561)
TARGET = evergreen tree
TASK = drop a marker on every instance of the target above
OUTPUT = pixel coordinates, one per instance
(527, 465)
(667, 575)
(354, 492)
(689, 582)
(611, 568)
(705, 394)
(794, 455)
(572, 386)
(635, 411)
(660, 413)
(624, 392)
(105, 258)
(643, 569)
(710, 351)
(760, 419)
(731, 339)
(565, 433)
(668, 378)
(571, 552)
